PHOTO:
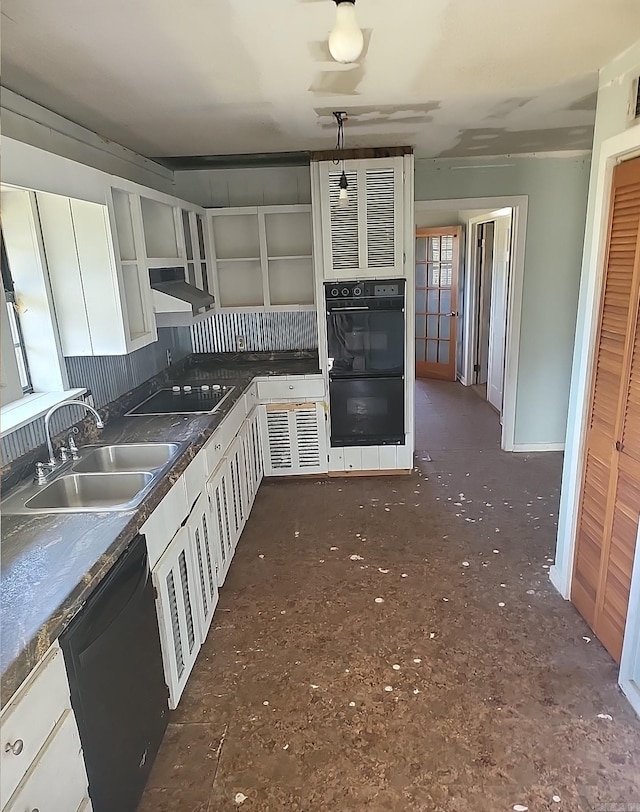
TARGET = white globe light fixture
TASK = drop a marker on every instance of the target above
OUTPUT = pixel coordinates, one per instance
(346, 41)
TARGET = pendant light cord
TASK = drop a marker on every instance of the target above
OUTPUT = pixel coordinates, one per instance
(340, 117)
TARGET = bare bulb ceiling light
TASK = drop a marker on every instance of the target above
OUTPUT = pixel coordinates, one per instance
(346, 41)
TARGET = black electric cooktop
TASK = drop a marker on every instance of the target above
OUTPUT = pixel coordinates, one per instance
(201, 399)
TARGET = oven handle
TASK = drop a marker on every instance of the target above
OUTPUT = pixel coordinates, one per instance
(335, 309)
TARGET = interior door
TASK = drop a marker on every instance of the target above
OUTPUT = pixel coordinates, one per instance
(498, 311)
(610, 500)
(437, 266)
(484, 262)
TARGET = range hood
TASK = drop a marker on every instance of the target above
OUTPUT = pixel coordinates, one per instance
(184, 292)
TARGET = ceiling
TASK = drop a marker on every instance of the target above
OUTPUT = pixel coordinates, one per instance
(209, 77)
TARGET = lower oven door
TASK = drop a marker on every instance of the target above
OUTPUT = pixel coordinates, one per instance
(367, 411)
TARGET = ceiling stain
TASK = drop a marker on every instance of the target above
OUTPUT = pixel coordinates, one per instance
(381, 114)
(587, 102)
(500, 141)
(338, 82)
(506, 106)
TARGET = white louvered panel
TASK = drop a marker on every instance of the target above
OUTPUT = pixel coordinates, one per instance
(279, 441)
(381, 217)
(344, 223)
(307, 438)
(206, 564)
(175, 579)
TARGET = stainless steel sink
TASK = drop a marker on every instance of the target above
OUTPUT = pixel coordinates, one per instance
(91, 492)
(122, 458)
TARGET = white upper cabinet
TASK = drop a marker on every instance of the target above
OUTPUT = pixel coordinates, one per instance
(100, 287)
(364, 239)
(263, 257)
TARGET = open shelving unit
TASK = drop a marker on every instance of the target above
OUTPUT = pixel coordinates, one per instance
(263, 257)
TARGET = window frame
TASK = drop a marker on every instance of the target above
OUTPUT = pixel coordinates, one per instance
(17, 334)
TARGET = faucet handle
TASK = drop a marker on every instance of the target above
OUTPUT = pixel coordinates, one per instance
(65, 453)
(42, 470)
(71, 443)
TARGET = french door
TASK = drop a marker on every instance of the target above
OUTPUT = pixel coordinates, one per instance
(610, 499)
(437, 262)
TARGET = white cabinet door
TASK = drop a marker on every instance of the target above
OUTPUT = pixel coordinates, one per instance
(218, 491)
(205, 557)
(294, 438)
(254, 462)
(364, 239)
(237, 489)
(175, 579)
(57, 779)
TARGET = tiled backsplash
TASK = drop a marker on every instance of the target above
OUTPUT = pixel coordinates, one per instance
(108, 377)
(262, 332)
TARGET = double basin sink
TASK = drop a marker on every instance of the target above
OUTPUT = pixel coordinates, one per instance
(104, 478)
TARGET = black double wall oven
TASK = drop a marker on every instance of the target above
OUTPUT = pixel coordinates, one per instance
(366, 349)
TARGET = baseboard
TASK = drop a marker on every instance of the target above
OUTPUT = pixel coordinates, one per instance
(376, 472)
(558, 582)
(523, 448)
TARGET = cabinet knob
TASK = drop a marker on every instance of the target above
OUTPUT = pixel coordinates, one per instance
(290, 386)
(15, 748)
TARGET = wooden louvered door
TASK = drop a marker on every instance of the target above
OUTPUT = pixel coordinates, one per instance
(610, 501)
(365, 238)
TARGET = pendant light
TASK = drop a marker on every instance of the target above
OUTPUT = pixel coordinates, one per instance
(346, 41)
(343, 197)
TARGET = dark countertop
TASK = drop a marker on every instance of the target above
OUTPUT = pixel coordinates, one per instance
(51, 563)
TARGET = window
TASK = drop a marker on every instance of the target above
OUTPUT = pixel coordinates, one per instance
(14, 322)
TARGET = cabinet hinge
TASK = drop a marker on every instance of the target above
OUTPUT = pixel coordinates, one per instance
(481, 242)
(476, 367)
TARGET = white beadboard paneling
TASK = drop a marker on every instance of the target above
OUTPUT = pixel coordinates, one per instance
(263, 332)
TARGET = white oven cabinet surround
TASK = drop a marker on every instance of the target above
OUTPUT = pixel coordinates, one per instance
(41, 761)
(263, 257)
(193, 533)
(365, 239)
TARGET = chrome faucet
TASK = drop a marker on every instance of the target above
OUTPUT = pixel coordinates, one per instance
(45, 469)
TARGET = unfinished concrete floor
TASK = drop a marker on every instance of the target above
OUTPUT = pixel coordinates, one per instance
(394, 644)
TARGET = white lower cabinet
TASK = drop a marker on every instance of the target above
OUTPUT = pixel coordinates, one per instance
(295, 438)
(218, 494)
(41, 759)
(176, 582)
(237, 489)
(206, 558)
(57, 780)
(253, 455)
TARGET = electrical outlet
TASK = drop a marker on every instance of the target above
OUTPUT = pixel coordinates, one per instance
(168, 358)
(241, 343)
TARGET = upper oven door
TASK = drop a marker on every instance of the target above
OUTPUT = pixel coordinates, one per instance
(365, 343)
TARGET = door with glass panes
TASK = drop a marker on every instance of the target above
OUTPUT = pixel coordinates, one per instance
(436, 297)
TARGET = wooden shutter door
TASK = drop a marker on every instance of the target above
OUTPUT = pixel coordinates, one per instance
(610, 503)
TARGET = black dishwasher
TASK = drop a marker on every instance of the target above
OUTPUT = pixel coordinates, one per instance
(113, 658)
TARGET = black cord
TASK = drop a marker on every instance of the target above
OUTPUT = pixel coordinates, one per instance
(339, 117)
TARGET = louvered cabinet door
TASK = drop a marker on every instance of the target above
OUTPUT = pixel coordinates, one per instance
(294, 439)
(237, 489)
(175, 580)
(364, 239)
(220, 528)
(249, 464)
(205, 557)
(608, 513)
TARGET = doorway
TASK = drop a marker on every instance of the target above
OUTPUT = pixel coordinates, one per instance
(483, 249)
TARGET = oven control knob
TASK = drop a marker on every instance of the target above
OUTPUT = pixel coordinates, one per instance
(335, 292)
(357, 291)
(345, 291)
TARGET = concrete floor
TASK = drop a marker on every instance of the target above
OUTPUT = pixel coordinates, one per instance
(394, 644)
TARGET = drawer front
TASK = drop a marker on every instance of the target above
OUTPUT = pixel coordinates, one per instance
(165, 520)
(217, 445)
(303, 389)
(195, 478)
(29, 719)
(57, 779)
